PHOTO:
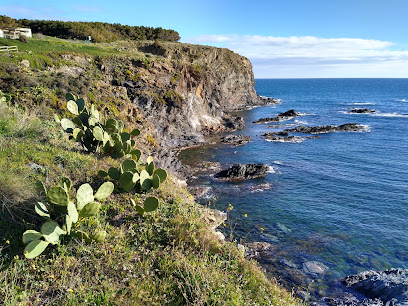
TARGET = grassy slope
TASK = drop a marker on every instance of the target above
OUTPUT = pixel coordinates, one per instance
(168, 257)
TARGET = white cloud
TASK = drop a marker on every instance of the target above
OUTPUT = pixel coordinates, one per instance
(309, 56)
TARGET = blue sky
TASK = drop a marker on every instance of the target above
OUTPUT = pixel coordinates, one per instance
(283, 39)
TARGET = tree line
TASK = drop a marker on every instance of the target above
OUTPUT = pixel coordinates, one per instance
(99, 31)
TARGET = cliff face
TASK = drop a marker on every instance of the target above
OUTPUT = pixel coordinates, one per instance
(186, 91)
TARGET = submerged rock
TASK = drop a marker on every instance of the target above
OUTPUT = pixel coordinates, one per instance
(280, 117)
(284, 137)
(236, 140)
(257, 249)
(391, 286)
(243, 172)
(202, 192)
(269, 101)
(314, 267)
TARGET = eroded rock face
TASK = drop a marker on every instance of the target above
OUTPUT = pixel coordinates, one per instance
(390, 286)
(190, 98)
(243, 172)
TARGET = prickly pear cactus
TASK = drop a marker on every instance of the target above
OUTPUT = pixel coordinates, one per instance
(51, 232)
(94, 134)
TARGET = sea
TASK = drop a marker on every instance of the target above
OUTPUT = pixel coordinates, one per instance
(331, 206)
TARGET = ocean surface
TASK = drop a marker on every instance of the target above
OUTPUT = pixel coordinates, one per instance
(339, 201)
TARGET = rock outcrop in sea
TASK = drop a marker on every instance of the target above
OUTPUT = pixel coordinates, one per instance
(390, 286)
(347, 127)
(361, 111)
(243, 172)
(236, 140)
(290, 114)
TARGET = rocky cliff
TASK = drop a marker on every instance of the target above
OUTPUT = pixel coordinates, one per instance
(187, 90)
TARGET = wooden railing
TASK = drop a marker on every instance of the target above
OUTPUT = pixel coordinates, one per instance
(8, 49)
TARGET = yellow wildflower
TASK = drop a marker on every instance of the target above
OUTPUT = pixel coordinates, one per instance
(245, 216)
(8, 241)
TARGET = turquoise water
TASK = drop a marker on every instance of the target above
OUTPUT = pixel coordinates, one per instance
(341, 199)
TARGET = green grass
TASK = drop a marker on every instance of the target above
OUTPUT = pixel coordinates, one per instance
(169, 257)
(47, 52)
(38, 46)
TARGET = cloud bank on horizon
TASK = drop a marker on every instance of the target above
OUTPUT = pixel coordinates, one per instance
(309, 56)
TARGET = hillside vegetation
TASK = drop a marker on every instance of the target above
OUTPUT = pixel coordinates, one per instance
(170, 256)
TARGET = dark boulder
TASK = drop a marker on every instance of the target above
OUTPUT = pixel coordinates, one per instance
(280, 117)
(391, 286)
(284, 136)
(236, 140)
(361, 110)
(289, 113)
(243, 172)
(347, 127)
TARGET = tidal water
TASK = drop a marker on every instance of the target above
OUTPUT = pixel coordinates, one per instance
(340, 200)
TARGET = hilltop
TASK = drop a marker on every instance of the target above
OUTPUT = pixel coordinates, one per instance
(98, 31)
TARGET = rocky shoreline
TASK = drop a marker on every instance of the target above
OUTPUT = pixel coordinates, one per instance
(305, 274)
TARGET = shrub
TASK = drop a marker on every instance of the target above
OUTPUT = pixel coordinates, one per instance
(23, 39)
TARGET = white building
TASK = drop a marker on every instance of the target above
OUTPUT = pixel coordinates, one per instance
(25, 31)
(15, 33)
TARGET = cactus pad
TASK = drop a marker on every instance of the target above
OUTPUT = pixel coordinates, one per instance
(135, 132)
(90, 210)
(104, 191)
(128, 164)
(52, 232)
(67, 125)
(155, 181)
(97, 133)
(114, 173)
(151, 204)
(99, 236)
(31, 235)
(72, 212)
(58, 196)
(84, 196)
(42, 210)
(35, 248)
(72, 107)
(126, 181)
(162, 174)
